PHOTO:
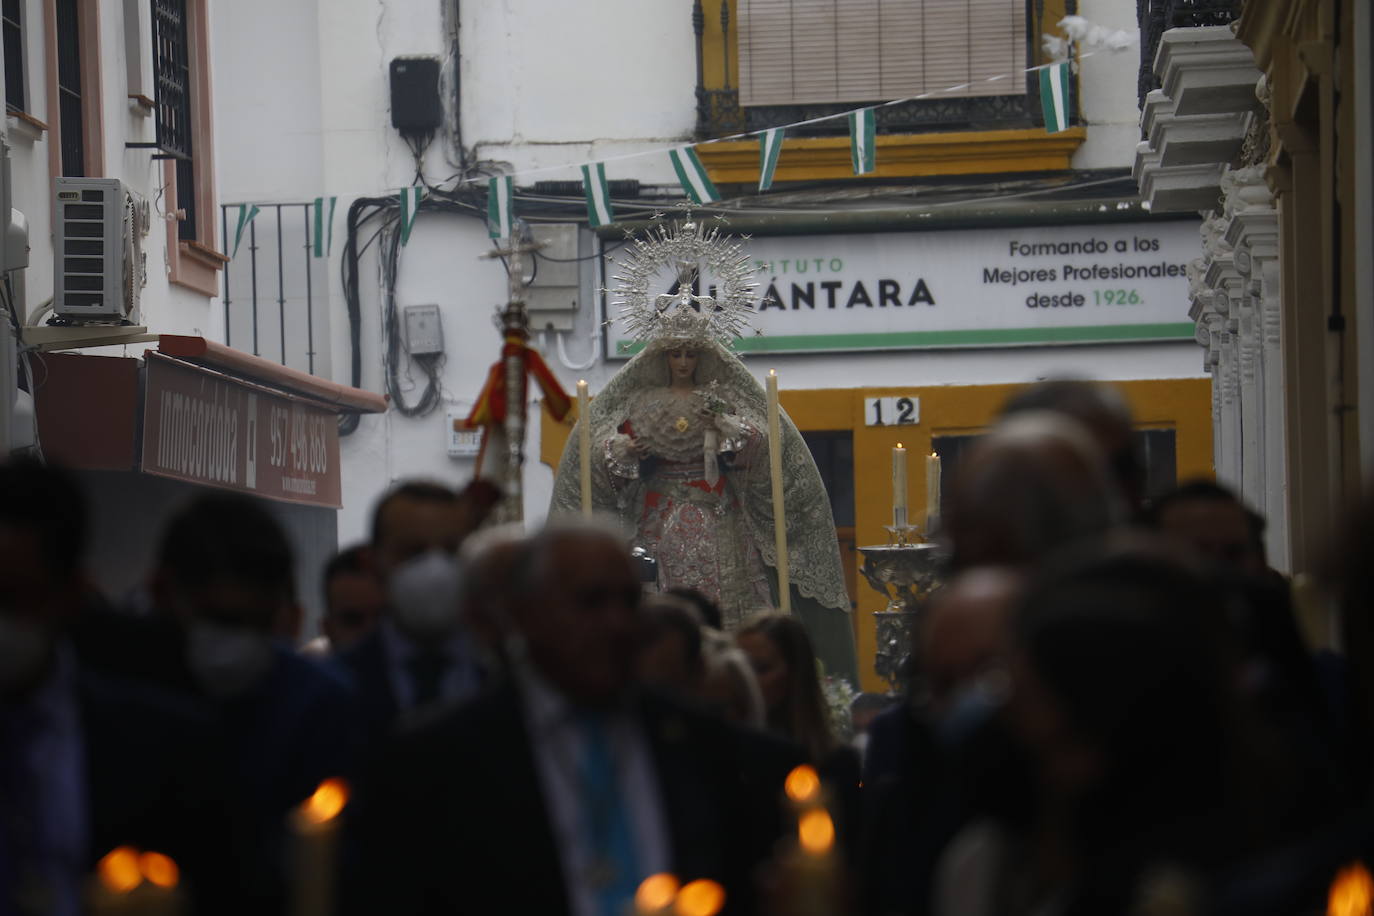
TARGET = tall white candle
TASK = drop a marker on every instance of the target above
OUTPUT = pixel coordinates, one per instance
(779, 517)
(584, 445)
(932, 492)
(899, 487)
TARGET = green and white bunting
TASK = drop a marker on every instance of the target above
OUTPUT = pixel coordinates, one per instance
(599, 210)
(770, 144)
(410, 208)
(246, 214)
(323, 219)
(1054, 96)
(862, 128)
(691, 174)
(500, 207)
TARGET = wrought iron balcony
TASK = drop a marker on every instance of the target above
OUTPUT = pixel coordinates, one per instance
(1159, 16)
(720, 113)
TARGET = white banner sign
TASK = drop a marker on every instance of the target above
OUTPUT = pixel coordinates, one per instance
(1019, 286)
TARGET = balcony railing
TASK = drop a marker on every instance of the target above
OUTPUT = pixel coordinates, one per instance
(1159, 16)
(719, 112)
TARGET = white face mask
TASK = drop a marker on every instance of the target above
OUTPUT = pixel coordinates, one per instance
(25, 646)
(227, 661)
(424, 593)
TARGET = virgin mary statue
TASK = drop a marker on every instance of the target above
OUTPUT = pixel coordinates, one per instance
(680, 450)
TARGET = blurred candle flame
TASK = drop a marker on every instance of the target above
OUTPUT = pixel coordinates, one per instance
(702, 897)
(802, 785)
(119, 871)
(159, 869)
(329, 799)
(656, 893)
(816, 832)
(1352, 892)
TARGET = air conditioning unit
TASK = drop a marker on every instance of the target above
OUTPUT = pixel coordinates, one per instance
(100, 269)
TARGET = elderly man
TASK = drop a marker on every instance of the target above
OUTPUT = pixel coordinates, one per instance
(564, 787)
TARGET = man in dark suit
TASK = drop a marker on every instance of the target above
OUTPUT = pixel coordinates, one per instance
(88, 761)
(419, 654)
(560, 790)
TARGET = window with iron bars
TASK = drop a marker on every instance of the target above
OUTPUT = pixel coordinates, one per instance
(172, 98)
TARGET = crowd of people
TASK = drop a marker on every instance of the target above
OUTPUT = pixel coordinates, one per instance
(1112, 709)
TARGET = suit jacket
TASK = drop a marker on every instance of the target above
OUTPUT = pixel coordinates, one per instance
(365, 665)
(454, 820)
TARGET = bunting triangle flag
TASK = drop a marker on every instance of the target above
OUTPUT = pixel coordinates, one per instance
(599, 210)
(1054, 96)
(500, 207)
(691, 174)
(770, 144)
(323, 243)
(246, 214)
(410, 208)
(861, 140)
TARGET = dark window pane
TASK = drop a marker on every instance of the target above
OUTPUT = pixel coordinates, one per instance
(1157, 448)
(11, 27)
(172, 88)
(186, 199)
(834, 455)
(69, 89)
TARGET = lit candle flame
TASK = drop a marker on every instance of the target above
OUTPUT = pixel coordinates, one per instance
(159, 869)
(656, 893)
(816, 832)
(700, 898)
(1352, 892)
(802, 785)
(772, 372)
(899, 445)
(119, 870)
(329, 799)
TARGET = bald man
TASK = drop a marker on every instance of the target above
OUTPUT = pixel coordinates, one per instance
(1036, 483)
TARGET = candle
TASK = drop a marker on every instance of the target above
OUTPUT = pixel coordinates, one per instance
(899, 486)
(132, 883)
(584, 445)
(315, 825)
(779, 518)
(932, 491)
(655, 895)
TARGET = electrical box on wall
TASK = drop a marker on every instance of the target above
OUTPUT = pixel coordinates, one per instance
(424, 330)
(552, 299)
(415, 105)
(462, 443)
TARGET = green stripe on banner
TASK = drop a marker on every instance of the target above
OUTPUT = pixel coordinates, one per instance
(770, 145)
(1054, 96)
(599, 210)
(410, 208)
(862, 131)
(322, 242)
(977, 337)
(500, 207)
(246, 214)
(691, 174)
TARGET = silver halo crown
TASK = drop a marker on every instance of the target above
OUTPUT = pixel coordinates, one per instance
(688, 251)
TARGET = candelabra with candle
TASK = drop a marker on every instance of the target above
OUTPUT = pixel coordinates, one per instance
(903, 571)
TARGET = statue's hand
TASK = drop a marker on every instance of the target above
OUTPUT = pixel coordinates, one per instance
(640, 448)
